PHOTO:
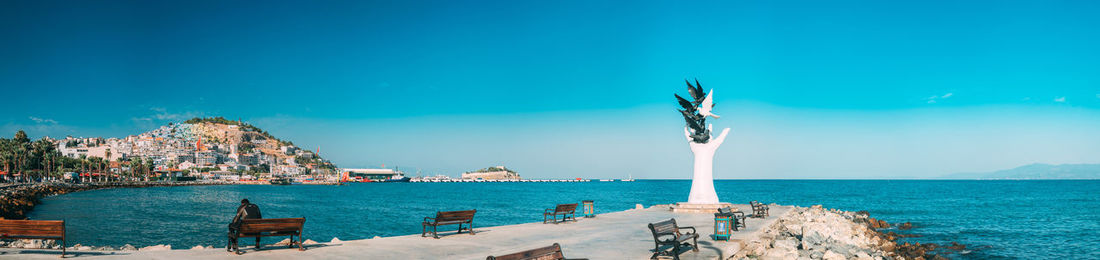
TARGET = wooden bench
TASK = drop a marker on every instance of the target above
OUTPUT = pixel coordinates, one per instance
(449, 218)
(552, 252)
(34, 229)
(567, 212)
(738, 217)
(759, 210)
(273, 227)
(668, 233)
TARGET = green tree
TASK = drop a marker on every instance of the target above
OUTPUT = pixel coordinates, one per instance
(107, 161)
(84, 167)
(7, 154)
(135, 165)
(148, 168)
(97, 165)
(121, 174)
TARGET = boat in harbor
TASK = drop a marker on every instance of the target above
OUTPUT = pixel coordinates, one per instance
(399, 177)
(629, 178)
(279, 181)
(374, 175)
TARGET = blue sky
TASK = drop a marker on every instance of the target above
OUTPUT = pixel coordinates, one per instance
(812, 89)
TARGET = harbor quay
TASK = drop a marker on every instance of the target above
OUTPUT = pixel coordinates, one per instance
(616, 235)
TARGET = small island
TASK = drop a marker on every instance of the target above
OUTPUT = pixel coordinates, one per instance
(492, 173)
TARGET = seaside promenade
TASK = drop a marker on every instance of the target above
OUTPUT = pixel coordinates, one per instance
(616, 235)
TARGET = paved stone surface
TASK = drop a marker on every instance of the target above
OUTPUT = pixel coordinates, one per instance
(618, 235)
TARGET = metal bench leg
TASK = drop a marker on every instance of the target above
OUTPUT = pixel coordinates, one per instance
(676, 252)
(695, 244)
(459, 229)
(62, 248)
(435, 232)
(423, 230)
(257, 243)
(471, 226)
(291, 245)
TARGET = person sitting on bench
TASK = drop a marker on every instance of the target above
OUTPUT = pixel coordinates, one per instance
(247, 210)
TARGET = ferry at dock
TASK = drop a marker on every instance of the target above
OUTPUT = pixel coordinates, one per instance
(373, 175)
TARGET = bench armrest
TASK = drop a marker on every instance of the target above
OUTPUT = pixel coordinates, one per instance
(548, 211)
(692, 229)
(429, 219)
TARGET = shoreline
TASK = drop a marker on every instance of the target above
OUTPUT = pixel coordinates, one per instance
(791, 232)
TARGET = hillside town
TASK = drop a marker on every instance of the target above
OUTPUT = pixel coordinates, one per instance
(199, 148)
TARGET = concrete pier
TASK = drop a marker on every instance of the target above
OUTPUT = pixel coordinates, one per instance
(617, 235)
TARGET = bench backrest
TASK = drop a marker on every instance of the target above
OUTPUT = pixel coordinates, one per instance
(443, 216)
(544, 253)
(663, 228)
(272, 225)
(566, 207)
(32, 228)
(725, 210)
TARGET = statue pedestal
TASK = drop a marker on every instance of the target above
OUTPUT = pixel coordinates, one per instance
(685, 207)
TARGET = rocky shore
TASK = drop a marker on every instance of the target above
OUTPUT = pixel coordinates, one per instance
(19, 199)
(818, 233)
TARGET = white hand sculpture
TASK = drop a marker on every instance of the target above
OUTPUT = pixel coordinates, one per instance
(702, 182)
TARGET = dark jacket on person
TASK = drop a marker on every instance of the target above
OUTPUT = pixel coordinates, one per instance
(248, 211)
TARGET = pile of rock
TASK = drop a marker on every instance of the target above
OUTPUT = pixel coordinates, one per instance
(818, 233)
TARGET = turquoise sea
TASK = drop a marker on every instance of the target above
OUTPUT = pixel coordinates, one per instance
(995, 219)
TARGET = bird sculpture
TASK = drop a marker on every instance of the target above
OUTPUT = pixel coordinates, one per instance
(708, 103)
(696, 111)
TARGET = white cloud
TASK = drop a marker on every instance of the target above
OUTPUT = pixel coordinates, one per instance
(162, 114)
(43, 120)
(1060, 99)
(932, 99)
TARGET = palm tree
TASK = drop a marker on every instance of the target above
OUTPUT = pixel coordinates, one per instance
(120, 173)
(22, 147)
(7, 155)
(21, 159)
(107, 160)
(97, 165)
(133, 166)
(83, 170)
(44, 154)
(148, 168)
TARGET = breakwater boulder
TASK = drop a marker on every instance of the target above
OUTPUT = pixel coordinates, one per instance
(819, 233)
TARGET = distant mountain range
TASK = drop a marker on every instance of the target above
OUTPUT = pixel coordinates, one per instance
(1038, 171)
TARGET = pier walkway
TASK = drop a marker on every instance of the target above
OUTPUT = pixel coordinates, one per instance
(617, 235)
